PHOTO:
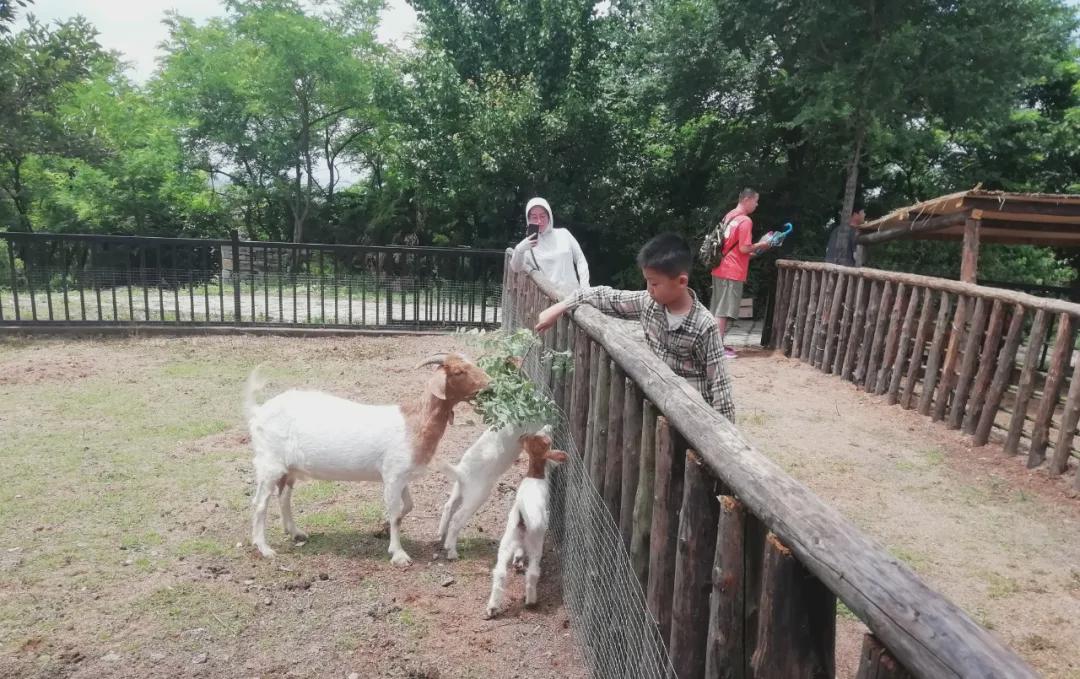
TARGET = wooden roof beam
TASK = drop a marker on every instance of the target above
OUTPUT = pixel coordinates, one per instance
(911, 228)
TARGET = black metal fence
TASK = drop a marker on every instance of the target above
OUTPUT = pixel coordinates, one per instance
(103, 280)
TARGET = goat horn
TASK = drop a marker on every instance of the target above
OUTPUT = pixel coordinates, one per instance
(434, 359)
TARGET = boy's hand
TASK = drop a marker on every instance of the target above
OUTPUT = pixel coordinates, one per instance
(548, 316)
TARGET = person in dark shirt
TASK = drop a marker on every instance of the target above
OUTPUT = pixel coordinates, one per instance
(841, 246)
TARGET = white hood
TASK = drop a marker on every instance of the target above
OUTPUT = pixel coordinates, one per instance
(544, 204)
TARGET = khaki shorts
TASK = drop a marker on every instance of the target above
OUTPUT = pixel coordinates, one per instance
(726, 295)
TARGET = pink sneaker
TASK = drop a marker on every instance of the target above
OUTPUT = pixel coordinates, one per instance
(729, 352)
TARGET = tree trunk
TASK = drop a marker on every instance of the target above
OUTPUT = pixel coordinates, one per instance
(852, 183)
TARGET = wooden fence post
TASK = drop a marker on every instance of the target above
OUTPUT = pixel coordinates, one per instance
(989, 350)
(877, 341)
(821, 318)
(836, 312)
(875, 662)
(727, 625)
(579, 388)
(933, 356)
(852, 345)
(967, 365)
(948, 367)
(903, 349)
(867, 344)
(1027, 381)
(800, 314)
(807, 332)
(613, 463)
(599, 420)
(640, 547)
(1069, 418)
(797, 623)
(892, 342)
(844, 333)
(238, 313)
(667, 501)
(693, 565)
(1006, 361)
(1059, 360)
(631, 460)
(918, 349)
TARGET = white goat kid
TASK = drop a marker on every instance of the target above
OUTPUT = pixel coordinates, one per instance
(527, 523)
(313, 435)
(475, 476)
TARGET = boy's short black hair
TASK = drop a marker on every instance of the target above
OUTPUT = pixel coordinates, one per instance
(668, 253)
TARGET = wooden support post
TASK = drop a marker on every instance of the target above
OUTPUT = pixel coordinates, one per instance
(877, 340)
(875, 662)
(643, 500)
(797, 623)
(903, 349)
(856, 328)
(807, 332)
(631, 460)
(1027, 381)
(599, 421)
(991, 340)
(693, 566)
(836, 312)
(892, 342)
(564, 343)
(613, 463)
(844, 332)
(967, 365)
(727, 625)
(1069, 418)
(918, 348)
(817, 343)
(800, 314)
(947, 381)
(579, 388)
(933, 356)
(667, 501)
(780, 308)
(1059, 361)
(590, 427)
(1006, 361)
(969, 262)
(866, 343)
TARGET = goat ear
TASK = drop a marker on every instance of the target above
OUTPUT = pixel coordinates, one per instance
(437, 384)
(557, 456)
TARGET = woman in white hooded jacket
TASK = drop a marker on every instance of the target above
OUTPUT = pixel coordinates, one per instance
(555, 252)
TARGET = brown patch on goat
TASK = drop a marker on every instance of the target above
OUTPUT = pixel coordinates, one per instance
(427, 418)
(538, 448)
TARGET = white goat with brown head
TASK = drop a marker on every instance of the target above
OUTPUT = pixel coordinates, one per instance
(314, 435)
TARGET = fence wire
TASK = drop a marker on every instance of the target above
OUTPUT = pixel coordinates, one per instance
(204, 296)
(607, 607)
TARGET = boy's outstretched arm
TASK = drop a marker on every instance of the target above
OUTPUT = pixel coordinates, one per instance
(709, 357)
(618, 303)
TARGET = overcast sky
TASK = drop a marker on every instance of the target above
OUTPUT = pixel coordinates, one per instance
(135, 30)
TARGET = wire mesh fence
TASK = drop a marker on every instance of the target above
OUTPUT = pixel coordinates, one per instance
(48, 278)
(606, 603)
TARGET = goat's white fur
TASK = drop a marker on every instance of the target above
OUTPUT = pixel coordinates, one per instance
(313, 435)
(475, 476)
(526, 527)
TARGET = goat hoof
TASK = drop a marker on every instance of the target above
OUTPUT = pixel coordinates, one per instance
(266, 551)
(490, 613)
(451, 555)
(300, 538)
(401, 559)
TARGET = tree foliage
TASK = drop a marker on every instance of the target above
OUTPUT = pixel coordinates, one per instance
(288, 120)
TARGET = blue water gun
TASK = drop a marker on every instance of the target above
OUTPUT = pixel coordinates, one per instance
(775, 239)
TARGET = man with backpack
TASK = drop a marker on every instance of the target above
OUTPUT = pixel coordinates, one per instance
(728, 251)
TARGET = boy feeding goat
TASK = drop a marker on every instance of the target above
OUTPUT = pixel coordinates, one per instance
(527, 523)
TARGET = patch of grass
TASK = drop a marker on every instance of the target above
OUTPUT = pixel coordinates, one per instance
(348, 642)
(908, 556)
(316, 491)
(195, 429)
(191, 605)
(149, 539)
(755, 418)
(334, 518)
(202, 546)
(933, 456)
(1037, 642)
(372, 512)
(842, 611)
(1001, 587)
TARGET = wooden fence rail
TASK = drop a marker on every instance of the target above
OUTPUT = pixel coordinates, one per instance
(983, 360)
(742, 565)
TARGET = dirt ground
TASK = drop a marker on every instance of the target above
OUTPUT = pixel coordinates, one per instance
(1000, 541)
(126, 514)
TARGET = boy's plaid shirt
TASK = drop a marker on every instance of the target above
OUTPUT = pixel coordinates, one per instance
(693, 350)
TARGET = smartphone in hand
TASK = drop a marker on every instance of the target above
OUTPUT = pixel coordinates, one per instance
(532, 231)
